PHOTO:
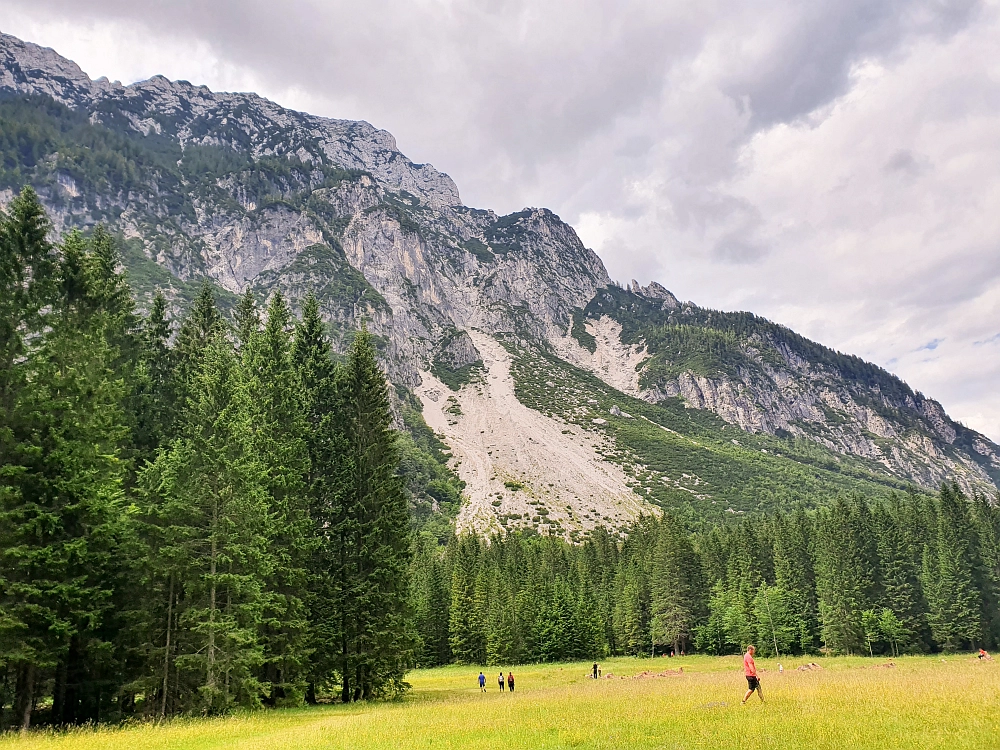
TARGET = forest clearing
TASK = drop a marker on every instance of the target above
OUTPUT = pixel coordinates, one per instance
(685, 702)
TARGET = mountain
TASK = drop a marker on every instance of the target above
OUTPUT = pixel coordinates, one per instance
(561, 399)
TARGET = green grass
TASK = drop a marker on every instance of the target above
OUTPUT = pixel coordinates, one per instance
(924, 702)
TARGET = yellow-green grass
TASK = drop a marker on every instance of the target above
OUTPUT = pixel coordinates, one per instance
(922, 702)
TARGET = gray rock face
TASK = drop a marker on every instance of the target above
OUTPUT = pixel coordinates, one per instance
(811, 402)
(458, 351)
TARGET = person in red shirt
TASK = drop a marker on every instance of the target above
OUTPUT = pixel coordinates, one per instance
(750, 670)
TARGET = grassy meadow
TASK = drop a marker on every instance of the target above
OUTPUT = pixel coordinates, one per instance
(922, 702)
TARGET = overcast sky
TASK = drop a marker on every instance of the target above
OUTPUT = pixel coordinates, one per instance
(833, 165)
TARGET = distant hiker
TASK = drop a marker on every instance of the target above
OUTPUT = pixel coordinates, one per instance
(500, 681)
(983, 655)
(595, 670)
(750, 671)
(510, 681)
(482, 682)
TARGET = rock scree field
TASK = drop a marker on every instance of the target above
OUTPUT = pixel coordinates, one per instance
(687, 702)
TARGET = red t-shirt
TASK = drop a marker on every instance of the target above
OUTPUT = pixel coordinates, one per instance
(749, 668)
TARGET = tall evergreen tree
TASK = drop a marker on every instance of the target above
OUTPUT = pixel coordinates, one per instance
(376, 645)
(676, 587)
(209, 527)
(466, 631)
(949, 575)
(62, 505)
(327, 472)
(279, 431)
(842, 577)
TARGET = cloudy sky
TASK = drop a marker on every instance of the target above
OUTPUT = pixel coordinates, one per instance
(833, 165)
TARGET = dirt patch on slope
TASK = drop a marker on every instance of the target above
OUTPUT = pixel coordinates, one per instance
(612, 361)
(522, 468)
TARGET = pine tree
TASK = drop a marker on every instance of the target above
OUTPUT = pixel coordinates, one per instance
(465, 630)
(630, 615)
(500, 621)
(675, 584)
(62, 505)
(902, 594)
(279, 430)
(377, 535)
(248, 320)
(842, 577)
(197, 329)
(949, 575)
(326, 446)
(795, 576)
(155, 384)
(209, 527)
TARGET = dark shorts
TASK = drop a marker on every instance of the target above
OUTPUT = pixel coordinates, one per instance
(752, 683)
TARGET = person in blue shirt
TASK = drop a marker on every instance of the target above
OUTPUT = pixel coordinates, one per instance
(482, 682)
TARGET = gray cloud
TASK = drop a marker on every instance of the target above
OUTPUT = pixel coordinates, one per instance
(833, 165)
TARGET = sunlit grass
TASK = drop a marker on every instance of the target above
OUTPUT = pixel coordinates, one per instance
(923, 702)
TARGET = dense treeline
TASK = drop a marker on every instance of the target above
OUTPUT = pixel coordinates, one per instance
(915, 574)
(189, 522)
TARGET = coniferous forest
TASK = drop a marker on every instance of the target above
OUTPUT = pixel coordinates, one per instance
(204, 514)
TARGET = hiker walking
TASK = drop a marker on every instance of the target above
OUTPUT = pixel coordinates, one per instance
(482, 682)
(500, 681)
(750, 671)
(510, 681)
(595, 670)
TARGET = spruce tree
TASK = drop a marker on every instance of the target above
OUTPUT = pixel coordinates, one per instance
(795, 576)
(675, 585)
(158, 408)
(902, 594)
(377, 647)
(62, 505)
(248, 320)
(465, 630)
(949, 575)
(279, 444)
(209, 526)
(843, 577)
(327, 474)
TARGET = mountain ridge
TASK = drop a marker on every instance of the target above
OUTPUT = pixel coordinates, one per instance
(237, 189)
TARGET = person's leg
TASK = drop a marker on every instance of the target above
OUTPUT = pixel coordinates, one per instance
(747, 695)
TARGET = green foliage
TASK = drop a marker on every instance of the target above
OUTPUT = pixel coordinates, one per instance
(480, 250)
(506, 234)
(578, 330)
(435, 491)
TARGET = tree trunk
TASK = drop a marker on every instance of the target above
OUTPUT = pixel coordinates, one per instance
(345, 692)
(211, 621)
(59, 693)
(166, 650)
(26, 695)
